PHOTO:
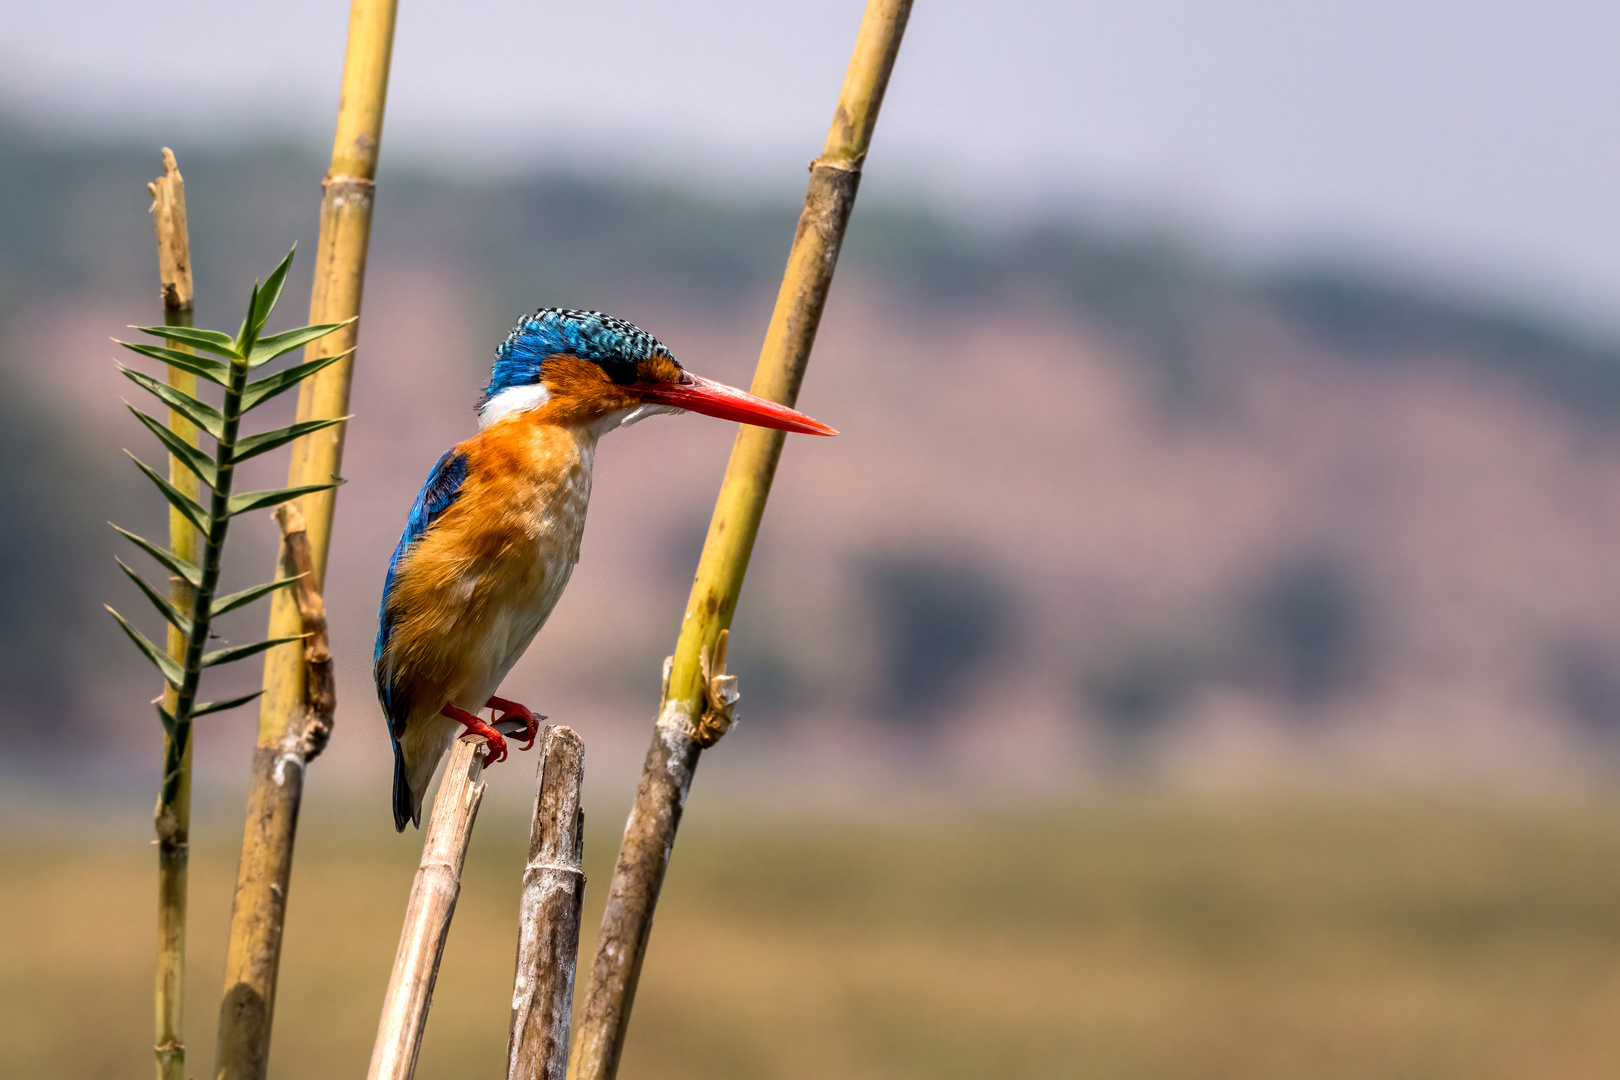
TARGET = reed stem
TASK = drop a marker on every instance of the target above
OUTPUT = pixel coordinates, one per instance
(172, 817)
(666, 777)
(275, 787)
(428, 914)
(548, 915)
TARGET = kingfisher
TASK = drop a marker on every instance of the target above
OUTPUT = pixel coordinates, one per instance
(494, 534)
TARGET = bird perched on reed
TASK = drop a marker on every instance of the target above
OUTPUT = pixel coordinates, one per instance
(495, 531)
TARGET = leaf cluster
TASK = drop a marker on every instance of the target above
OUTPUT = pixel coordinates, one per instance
(229, 362)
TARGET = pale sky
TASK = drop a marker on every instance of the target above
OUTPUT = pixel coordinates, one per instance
(1475, 137)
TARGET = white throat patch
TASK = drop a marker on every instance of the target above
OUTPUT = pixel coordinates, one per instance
(623, 418)
(517, 399)
(644, 410)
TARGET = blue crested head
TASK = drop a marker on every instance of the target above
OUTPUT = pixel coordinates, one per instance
(616, 345)
(584, 368)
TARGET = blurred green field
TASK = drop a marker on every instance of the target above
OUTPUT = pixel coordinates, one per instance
(1144, 938)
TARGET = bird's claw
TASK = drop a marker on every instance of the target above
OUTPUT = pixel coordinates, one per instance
(496, 744)
(512, 712)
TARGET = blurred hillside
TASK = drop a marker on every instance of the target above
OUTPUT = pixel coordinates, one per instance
(1101, 499)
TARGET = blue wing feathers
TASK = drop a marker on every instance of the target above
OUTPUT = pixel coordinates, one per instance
(437, 495)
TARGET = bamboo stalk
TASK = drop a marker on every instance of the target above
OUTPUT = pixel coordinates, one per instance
(277, 776)
(548, 920)
(428, 914)
(666, 778)
(172, 817)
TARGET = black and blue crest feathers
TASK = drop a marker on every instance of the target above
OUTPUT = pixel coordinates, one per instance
(618, 346)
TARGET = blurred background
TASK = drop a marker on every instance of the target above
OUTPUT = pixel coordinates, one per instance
(1197, 657)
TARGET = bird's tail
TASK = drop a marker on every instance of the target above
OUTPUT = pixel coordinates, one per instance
(406, 808)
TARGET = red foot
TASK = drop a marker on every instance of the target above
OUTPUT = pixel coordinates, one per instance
(511, 710)
(475, 726)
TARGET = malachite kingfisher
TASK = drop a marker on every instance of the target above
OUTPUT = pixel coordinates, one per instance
(495, 532)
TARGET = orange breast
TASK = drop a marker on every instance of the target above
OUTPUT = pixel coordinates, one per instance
(472, 592)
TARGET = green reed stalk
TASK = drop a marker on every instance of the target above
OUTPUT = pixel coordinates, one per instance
(172, 818)
(683, 728)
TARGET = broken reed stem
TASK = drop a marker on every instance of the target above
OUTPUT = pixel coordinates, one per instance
(320, 689)
(276, 781)
(548, 914)
(428, 915)
(172, 817)
(649, 835)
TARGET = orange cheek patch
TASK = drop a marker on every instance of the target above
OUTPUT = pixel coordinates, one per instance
(581, 392)
(658, 369)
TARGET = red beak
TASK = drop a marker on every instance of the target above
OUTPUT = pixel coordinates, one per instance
(697, 394)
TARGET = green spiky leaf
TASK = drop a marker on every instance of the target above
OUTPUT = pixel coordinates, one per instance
(212, 370)
(191, 457)
(261, 302)
(172, 672)
(230, 603)
(254, 445)
(174, 563)
(168, 722)
(261, 390)
(266, 297)
(247, 333)
(267, 349)
(204, 416)
(179, 621)
(208, 340)
(257, 500)
(220, 706)
(177, 498)
(237, 652)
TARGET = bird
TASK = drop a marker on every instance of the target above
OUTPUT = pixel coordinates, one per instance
(493, 536)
